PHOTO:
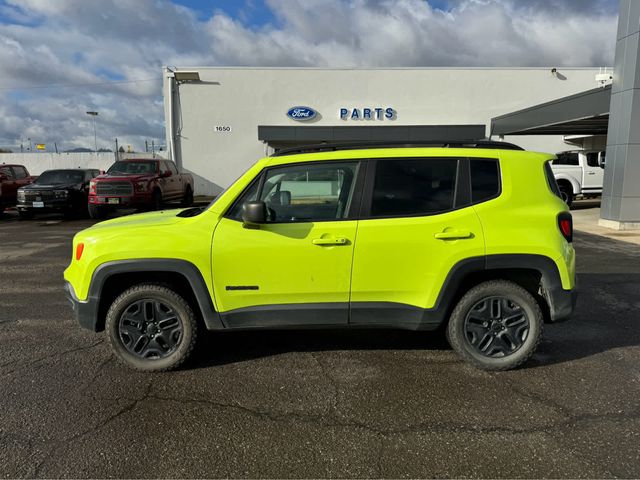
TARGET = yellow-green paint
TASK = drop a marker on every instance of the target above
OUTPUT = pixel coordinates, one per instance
(392, 260)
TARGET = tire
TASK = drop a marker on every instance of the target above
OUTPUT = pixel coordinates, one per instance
(156, 200)
(567, 193)
(501, 338)
(25, 214)
(187, 198)
(151, 328)
(97, 212)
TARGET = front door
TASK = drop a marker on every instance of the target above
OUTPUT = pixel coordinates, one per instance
(296, 268)
(593, 174)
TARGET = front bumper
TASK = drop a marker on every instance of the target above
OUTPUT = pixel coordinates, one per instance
(48, 205)
(86, 313)
(116, 201)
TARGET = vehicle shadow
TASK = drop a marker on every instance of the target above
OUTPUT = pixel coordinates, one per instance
(221, 348)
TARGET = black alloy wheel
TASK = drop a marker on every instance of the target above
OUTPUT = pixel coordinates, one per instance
(149, 328)
(496, 327)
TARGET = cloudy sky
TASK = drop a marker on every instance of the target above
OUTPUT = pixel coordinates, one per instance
(60, 58)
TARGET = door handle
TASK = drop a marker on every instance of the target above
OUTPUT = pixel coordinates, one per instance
(591, 173)
(453, 234)
(330, 241)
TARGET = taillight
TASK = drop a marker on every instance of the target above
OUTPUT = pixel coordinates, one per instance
(565, 224)
(79, 250)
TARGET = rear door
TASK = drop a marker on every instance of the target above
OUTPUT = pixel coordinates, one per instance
(417, 225)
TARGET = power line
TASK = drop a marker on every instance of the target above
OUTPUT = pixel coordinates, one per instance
(67, 85)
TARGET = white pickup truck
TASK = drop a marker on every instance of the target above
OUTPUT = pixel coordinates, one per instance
(579, 173)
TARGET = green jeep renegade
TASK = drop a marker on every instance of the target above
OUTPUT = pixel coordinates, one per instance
(471, 237)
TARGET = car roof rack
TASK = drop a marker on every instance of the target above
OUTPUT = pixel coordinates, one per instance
(331, 147)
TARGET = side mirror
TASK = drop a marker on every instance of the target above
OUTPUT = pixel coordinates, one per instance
(166, 173)
(254, 213)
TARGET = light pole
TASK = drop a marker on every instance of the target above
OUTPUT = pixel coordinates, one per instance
(95, 138)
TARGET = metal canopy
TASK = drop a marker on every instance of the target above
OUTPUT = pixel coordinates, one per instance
(585, 113)
(287, 136)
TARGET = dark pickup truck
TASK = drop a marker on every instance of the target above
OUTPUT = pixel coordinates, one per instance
(12, 177)
(139, 183)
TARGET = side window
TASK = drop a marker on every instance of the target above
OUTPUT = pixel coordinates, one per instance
(7, 171)
(303, 193)
(172, 167)
(20, 172)
(603, 158)
(592, 159)
(485, 179)
(567, 158)
(410, 187)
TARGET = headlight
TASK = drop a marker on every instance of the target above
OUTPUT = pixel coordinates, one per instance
(61, 193)
(140, 186)
(92, 187)
(21, 195)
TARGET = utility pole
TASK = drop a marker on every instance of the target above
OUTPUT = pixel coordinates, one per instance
(117, 151)
(95, 137)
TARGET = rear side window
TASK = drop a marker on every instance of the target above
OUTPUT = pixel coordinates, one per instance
(551, 179)
(485, 180)
(412, 187)
(567, 158)
(6, 171)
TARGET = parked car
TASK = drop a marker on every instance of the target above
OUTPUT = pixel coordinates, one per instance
(63, 191)
(12, 177)
(476, 239)
(139, 183)
(579, 174)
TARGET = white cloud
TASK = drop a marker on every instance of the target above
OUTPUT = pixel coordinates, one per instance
(80, 42)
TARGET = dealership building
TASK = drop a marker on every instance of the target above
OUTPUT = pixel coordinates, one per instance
(219, 121)
(224, 119)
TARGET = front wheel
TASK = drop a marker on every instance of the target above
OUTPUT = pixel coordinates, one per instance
(187, 198)
(156, 200)
(97, 212)
(497, 325)
(151, 328)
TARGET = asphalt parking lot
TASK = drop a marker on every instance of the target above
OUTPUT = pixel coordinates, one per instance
(314, 403)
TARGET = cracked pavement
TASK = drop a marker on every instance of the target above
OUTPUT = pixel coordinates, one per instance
(314, 403)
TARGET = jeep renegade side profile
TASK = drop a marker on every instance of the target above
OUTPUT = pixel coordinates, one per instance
(472, 238)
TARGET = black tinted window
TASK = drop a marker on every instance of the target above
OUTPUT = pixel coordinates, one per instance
(592, 159)
(551, 179)
(566, 159)
(485, 180)
(6, 171)
(20, 172)
(414, 187)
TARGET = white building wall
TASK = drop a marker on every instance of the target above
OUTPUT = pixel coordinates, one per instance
(243, 98)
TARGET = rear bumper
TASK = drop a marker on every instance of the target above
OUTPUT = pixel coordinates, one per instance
(86, 313)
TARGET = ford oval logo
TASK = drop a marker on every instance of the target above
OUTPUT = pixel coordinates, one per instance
(301, 114)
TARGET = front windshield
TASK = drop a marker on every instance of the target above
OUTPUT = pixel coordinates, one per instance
(60, 177)
(133, 167)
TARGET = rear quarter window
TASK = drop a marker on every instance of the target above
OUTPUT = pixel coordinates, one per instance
(551, 180)
(485, 180)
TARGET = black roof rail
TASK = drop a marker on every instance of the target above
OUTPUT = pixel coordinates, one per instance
(331, 147)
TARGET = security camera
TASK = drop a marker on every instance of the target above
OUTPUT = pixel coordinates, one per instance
(554, 70)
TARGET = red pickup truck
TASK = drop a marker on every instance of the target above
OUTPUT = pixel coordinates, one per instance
(139, 183)
(12, 177)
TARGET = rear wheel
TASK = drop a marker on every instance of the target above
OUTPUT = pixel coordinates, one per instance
(496, 325)
(566, 192)
(97, 212)
(187, 199)
(156, 200)
(151, 328)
